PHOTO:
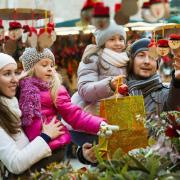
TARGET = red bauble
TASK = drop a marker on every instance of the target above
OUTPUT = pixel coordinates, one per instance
(123, 89)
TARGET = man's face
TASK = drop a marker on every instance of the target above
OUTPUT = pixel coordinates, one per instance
(144, 65)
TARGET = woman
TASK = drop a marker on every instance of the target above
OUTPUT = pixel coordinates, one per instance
(17, 154)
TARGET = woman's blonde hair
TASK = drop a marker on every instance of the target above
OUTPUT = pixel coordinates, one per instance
(55, 84)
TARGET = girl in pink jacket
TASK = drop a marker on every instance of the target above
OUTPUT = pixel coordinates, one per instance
(42, 97)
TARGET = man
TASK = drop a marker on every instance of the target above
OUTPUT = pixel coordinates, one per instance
(143, 79)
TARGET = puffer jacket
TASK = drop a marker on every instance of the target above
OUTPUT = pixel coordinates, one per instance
(72, 114)
(94, 82)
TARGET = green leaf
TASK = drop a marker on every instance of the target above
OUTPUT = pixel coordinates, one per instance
(117, 154)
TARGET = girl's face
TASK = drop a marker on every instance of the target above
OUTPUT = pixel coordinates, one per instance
(115, 43)
(8, 80)
(44, 69)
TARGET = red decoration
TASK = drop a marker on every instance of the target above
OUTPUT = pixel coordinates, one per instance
(155, 1)
(123, 89)
(14, 25)
(174, 37)
(51, 25)
(86, 11)
(117, 7)
(100, 16)
(1, 24)
(43, 30)
(162, 43)
(146, 5)
(100, 10)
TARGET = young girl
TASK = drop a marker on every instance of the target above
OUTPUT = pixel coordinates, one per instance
(17, 154)
(42, 96)
(98, 72)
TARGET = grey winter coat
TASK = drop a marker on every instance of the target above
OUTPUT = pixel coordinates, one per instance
(94, 82)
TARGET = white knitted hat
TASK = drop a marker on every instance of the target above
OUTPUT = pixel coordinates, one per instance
(31, 56)
(103, 35)
(6, 59)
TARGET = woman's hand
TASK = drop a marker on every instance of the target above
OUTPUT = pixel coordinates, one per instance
(88, 152)
(53, 129)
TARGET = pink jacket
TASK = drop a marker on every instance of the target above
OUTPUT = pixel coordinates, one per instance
(71, 113)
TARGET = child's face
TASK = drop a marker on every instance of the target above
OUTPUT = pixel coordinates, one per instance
(44, 69)
(115, 43)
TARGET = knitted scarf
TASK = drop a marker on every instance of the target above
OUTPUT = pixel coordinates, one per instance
(12, 104)
(144, 87)
(114, 58)
(29, 102)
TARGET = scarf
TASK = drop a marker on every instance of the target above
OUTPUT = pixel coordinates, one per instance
(12, 104)
(114, 58)
(30, 102)
(144, 87)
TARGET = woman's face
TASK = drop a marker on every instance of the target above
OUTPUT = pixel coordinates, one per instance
(115, 43)
(44, 69)
(8, 80)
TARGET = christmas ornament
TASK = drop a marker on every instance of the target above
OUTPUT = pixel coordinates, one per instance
(123, 90)
(10, 46)
(53, 33)
(117, 7)
(45, 38)
(146, 13)
(15, 30)
(152, 49)
(87, 11)
(129, 7)
(120, 18)
(162, 47)
(32, 37)
(100, 16)
(174, 41)
(167, 9)
(1, 30)
(157, 8)
(25, 33)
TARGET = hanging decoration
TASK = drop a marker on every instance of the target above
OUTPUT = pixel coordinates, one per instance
(129, 7)
(162, 47)
(29, 36)
(146, 13)
(153, 49)
(101, 16)
(53, 33)
(87, 11)
(157, 8)
(174, 41)
(117, 7)
(1, 35)
(15, 30)
(1, 30)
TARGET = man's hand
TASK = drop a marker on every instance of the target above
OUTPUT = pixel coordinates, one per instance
(88, 152)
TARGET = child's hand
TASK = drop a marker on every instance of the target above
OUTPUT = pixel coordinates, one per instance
(53, 129)
(88, 152)
(107, 130)
(115, 80)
